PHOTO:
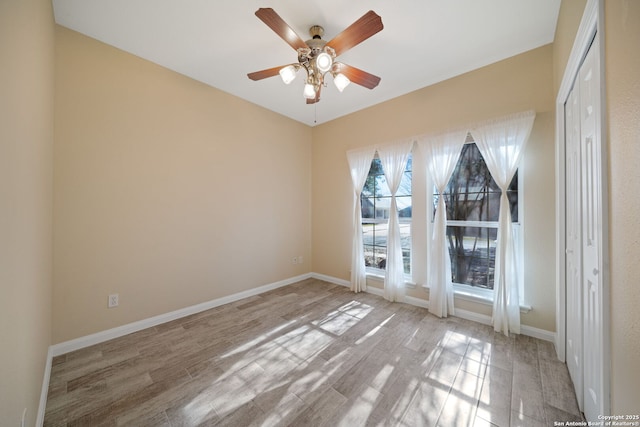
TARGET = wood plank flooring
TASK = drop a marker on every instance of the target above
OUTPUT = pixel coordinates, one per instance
(309, 354)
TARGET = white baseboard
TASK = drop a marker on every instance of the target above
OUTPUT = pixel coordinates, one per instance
(86, 341)
(418, 302)
(331, 279)
(463, 314)
(375, 291)
(538, 333)
(473, 316)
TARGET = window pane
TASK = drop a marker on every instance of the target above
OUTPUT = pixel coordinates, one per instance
(368, 250)
(405, 243)
(404, 206)
(405, 185)
(376, 207)
(405, 235)
(367, 234)
(472, 194)
(369, 258)
(471, 173)
(376, 185)
(472, 251)
(512, 194)
(367, 207)
(376, 166)
(382, 207)
(375, 257)
(367, 190)
(381, 187)
(473, 206)
(380, 235)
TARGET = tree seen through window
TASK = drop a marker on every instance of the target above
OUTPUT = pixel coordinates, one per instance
(472, 198)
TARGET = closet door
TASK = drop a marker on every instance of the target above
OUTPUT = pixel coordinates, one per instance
(585, 308)
(592, 231)
(573, 238)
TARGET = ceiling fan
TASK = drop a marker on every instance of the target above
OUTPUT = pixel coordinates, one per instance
(318, 57)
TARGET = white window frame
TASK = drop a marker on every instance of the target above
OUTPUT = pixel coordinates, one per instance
(378, 273)
(475, 293)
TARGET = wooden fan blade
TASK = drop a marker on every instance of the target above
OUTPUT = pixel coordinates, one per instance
(281, 28)
(369, 24)
(263, 74)
(358, 76)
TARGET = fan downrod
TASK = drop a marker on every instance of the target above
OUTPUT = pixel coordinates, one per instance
(316, 32)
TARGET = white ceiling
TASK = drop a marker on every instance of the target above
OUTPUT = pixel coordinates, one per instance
(219, 41)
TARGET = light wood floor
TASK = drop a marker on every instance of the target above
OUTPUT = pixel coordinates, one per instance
(310, 354)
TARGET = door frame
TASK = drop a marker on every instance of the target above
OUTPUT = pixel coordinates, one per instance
(591, 25)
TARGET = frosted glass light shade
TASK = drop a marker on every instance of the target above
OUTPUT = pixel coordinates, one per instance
(324, 62)
(341, 81)
(288, 74)
(309, 91)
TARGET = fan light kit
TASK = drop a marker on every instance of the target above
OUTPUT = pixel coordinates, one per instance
(318, 58)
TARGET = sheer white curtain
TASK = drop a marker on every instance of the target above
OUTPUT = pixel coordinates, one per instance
(441, 153)
(501, 142)
(359, 165)
(394, 159)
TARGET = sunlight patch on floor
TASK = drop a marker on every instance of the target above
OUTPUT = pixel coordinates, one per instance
(361, 408)
(382, 377)
(336, 323)
(259, 339)
(197, 409)
(356, 309)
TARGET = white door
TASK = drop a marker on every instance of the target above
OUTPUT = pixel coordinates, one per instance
(573, 230)
(592, 283)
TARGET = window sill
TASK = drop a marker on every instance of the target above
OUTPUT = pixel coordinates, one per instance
(479, 296)
(465, 293)
(378, 276)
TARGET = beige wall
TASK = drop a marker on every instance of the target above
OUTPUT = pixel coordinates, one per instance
(569, 18)
(166, 191)
(26, 145)
(622, 71)
(520, 83)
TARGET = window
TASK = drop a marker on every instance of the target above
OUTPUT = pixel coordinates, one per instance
(376, 203)
(472, 198)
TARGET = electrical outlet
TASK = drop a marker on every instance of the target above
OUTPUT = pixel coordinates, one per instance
(294, 260)
(113, 300)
